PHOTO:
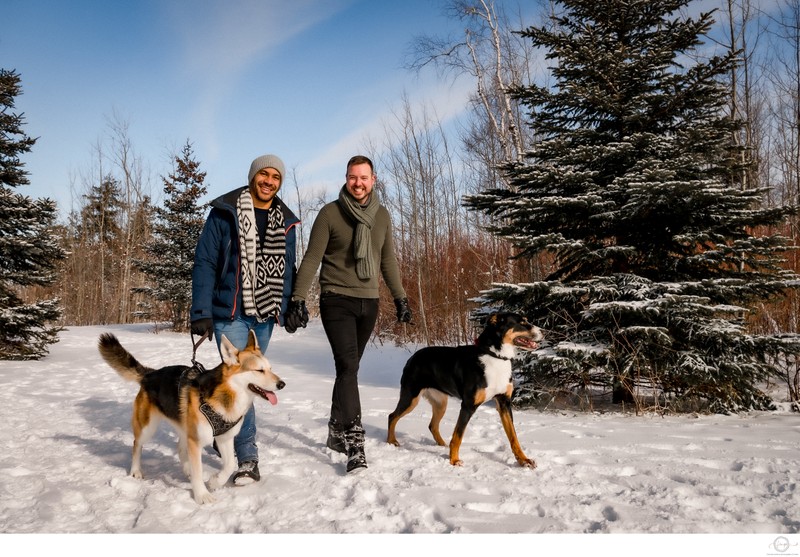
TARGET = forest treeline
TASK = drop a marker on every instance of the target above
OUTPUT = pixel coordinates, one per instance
(127, 258)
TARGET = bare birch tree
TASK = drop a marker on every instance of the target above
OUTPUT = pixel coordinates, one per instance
(495, 58)
(105, 232)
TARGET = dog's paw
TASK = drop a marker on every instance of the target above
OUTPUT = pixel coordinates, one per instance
(528, 463)
(137, 474)
(457, 462)
(204, 498)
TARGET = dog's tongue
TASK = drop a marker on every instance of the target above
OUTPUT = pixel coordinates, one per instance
(524, 342)
(267, 395)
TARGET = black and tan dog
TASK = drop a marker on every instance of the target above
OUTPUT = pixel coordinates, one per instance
(474, 374)
(202, 405)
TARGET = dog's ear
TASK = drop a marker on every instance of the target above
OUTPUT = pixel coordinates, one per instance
(230, 355)
(252, 341)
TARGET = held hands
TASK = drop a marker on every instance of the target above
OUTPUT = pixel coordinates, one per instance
(296, 316)
(403, 311)
(203, 327)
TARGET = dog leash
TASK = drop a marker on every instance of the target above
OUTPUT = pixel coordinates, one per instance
(195, 364)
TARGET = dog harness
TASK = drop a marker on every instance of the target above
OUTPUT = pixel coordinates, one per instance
(219, 424)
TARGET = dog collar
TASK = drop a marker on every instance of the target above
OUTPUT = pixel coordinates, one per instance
(495, 355)
(219, 424)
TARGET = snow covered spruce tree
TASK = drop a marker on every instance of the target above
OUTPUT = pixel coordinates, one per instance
(176, 228)
(633, 192)
(29, 250)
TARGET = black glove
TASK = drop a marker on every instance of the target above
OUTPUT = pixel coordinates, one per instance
(403, 311)
(203, 327)
(296, 316)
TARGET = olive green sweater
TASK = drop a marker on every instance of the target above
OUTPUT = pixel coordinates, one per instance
(331, 244)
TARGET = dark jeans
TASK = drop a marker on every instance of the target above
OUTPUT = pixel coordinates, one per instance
(348, 324)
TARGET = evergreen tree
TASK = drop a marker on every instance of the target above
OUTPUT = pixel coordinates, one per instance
(101, 212)
(29, 251)
(633, 192)
(177, 227)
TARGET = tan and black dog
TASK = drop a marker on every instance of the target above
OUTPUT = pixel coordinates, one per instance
(202, 405)
(474, 374)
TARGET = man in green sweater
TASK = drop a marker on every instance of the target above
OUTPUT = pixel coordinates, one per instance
(352, 239)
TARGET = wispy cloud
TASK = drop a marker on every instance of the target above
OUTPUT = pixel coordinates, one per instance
(221, 41)
(227, 37)
(432, 102)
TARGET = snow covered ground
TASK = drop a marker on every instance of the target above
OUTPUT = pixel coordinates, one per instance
(66, 451)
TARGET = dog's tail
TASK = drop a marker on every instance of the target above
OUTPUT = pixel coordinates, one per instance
(120, 359)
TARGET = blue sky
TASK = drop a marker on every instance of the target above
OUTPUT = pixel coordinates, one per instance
(313, 81)
(308, 80)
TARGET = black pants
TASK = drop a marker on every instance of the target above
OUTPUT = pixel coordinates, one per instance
(348, 324)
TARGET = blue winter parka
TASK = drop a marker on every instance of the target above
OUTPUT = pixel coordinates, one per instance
(217, 271)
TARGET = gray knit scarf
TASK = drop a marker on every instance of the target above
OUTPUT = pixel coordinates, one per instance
(364, 216)
(263, 265)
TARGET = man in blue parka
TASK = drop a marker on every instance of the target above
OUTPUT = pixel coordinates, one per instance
(243, 275)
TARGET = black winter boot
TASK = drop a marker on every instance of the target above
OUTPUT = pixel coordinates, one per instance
(247, 473)
(336, 441)
(356, 459)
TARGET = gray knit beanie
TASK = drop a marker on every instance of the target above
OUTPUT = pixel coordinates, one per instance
(266, 161)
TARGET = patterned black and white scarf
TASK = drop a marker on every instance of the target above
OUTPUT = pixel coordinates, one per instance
(263, 264)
